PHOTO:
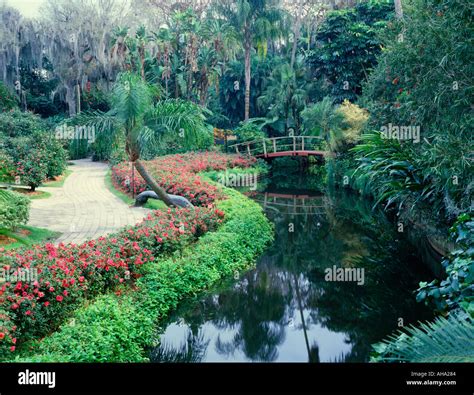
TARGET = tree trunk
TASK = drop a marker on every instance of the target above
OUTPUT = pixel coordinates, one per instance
(78, 95)
(398, 9)
(152, 183)
(296, 33)
(247, 45)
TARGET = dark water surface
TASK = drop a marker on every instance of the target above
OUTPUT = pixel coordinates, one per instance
(285, 310)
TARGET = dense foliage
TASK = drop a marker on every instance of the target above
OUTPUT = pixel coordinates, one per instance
(424, 80)
(14, 210)
(347, 46)
(30, 152)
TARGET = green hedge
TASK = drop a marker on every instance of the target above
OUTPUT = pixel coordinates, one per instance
(14, 209)
(118, 328)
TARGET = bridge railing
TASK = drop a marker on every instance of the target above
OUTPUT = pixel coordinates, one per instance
(271, 145)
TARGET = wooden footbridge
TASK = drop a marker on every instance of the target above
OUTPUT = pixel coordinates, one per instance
(274, 147)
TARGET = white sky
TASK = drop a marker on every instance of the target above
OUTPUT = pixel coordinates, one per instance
(28, 8)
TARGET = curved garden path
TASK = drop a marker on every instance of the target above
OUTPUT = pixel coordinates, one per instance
(83, 208)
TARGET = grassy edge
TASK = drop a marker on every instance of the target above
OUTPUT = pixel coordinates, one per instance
(42, 195)
(36, 236)
(119, 328)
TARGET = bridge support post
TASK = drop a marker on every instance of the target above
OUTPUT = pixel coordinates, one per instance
(294, 144)
(274, 146)
(264, 148)
(248, 149)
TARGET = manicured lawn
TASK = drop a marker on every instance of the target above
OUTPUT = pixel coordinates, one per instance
(32, 195)
(30, 235)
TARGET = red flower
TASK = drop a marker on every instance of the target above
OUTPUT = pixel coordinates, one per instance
(12, 348)
(59, 298)
(2, 335)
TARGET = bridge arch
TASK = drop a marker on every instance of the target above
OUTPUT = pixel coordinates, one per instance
(274, 147)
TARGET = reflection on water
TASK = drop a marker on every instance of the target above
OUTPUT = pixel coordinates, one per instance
(285, 310)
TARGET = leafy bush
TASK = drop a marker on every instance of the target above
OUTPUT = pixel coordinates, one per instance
(457, 290)
(30, 149)
(388, 173)
(18, 123)
(7, 99)
(249, 131)
(443, 340)
(352, 122)
(348, 45)
(14, 209)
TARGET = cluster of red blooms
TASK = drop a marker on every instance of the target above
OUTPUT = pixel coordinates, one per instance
(177, 174)
(69, 274)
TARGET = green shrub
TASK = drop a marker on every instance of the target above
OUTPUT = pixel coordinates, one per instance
(457, 289)
(18, 123)
(249, 131)
(14, 209)
(7, 99)
(32, 151)
(443, 340)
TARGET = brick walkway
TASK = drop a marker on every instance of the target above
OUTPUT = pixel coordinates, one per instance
(83, 208)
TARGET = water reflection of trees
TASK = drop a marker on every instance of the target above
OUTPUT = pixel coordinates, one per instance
(290, 280)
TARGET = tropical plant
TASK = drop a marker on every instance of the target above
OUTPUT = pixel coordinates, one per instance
(285, 96)
(387, 172)
(250, 130)
(321, 119)
(424, 79)
(443, 340)
(143, 122)
(257, 21)
(457, 289)
(348, 46)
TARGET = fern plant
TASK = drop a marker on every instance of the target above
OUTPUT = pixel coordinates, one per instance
(443, 340)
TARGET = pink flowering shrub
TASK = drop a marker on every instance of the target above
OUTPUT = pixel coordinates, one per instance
(177, 174)
(68, 274)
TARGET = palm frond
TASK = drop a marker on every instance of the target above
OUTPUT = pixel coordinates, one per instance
(443, 340)
(182, 119)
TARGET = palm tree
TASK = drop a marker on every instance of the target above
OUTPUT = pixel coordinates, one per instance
(286, 95)
(258, 21)
(139, 121)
